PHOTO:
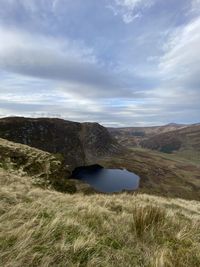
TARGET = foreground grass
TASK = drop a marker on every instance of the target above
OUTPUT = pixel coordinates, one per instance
(46, 228)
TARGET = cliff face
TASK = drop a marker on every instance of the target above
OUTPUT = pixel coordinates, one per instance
(77, 142)
(97, 141)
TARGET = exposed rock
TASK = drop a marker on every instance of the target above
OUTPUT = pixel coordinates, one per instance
(97, 141)
(43, 168)
(79, 143)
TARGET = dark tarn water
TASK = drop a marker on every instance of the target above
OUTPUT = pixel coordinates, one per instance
(107, 180)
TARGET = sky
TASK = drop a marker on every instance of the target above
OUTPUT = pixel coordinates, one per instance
(116, 62)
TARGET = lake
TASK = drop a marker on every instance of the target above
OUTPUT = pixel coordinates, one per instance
(107, 180)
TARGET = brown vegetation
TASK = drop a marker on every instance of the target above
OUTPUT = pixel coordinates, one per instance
(40, 227)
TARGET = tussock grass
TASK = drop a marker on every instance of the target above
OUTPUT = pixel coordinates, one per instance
(146, 218)
(47, 228)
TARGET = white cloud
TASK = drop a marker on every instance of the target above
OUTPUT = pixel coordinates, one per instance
(180, 64)
(12, 39)
(127, 18)
(130, 4)
(129, 10)
(51, 58)
(195, 6)
(114, 79)
(64, 61)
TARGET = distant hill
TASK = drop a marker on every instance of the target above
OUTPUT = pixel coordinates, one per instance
(77, 142)
(132, 136)
(186, 139)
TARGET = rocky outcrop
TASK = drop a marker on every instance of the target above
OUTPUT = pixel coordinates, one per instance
(78, 143)
(97, 141)
(44, 169)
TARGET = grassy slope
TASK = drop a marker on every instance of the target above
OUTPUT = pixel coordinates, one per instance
(161, 174)
(132, 136)
(46, 228)
(185, 142)
(44, 169)
(42, 227)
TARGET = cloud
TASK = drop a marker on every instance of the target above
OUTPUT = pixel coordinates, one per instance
(195, 6)
(49, 58)
(179, 65)
(129, 10)
(72, 64)
(75, 60)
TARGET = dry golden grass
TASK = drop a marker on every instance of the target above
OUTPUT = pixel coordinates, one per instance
(47, 228)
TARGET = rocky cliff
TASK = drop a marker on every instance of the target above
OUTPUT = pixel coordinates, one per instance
(78, 143)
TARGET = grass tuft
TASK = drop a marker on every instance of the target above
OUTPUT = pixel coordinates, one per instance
(146, 218)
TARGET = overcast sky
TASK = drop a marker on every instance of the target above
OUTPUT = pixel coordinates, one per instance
(117, 62)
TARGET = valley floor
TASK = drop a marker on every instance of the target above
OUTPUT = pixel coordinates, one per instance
(40, 227)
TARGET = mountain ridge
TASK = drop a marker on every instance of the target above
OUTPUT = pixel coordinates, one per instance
(77, 142)
(141, 136)
(184, 139)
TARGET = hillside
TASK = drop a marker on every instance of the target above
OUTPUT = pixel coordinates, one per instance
(132, 136)
(159, 174)
(79, 227)
(185, 141)
(41, 227)
(77, 142)
(42, 168)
